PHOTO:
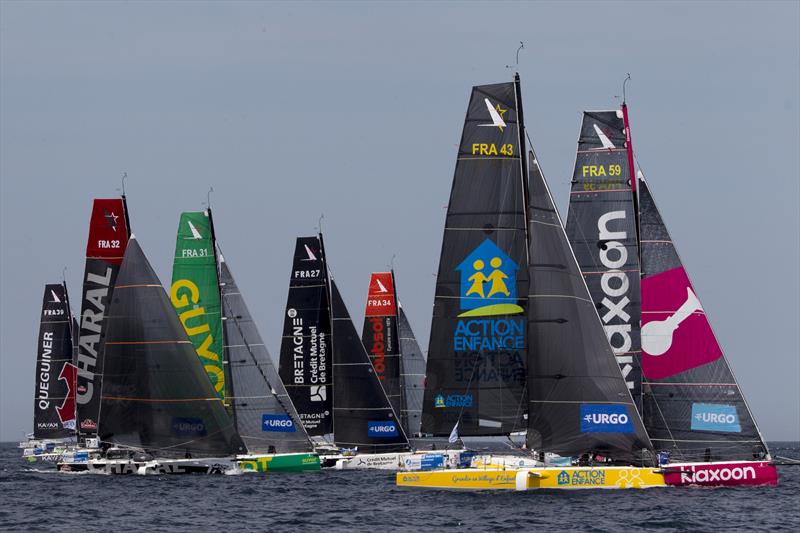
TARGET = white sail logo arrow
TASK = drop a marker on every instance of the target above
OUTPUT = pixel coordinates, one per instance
(311, 256)
(603, 138)
(657, 335)
(55, 297)
(380, 286)
(496, 113)
(195, 233)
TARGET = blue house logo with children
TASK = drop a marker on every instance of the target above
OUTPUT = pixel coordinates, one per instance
(488, 282)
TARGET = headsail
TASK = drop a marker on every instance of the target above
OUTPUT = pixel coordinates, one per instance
(380, 336)
(195, 292)
(156, 394)
(305, 363)
(363, 415)
(476, 357)
(264, 415)
(108, 238)
(412, 374)
(601, 225)
(54, 401)
(579, 401)
(693, 406)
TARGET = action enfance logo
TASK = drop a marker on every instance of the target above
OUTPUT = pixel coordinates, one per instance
(488, 282)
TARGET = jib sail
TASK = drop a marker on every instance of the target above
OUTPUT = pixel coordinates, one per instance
(380, 336)
(363, 415)
(108, 238)
(54, 401)
(195, 292)
(601, 226)
(476, 370)
(693, 406)
(305, 362)
(156, 394)
(412, 375)
(264, 415)
(579, 402)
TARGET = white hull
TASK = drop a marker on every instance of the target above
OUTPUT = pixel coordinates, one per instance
(211, 465)
(399, 462)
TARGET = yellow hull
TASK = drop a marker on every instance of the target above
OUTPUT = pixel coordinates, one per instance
(573, 477)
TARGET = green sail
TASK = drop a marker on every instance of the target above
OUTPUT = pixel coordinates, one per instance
(195, 293)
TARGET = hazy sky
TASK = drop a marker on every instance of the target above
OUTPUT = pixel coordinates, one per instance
(355, 111)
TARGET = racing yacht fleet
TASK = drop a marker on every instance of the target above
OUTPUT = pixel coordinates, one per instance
(585, 338)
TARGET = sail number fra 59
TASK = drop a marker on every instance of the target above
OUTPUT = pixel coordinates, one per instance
(600, 170)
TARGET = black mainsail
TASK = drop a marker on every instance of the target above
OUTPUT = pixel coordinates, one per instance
(579, 402)
(305, 360)
(412, 374)
(54, 397)
(476, 370)
(601, 226)
(363, 416)
(693, 406)
(264, 415)
(156, 394)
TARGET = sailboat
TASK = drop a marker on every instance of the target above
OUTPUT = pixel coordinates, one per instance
(576, 400)
(691, 405)
(329, 374)
(54, 428)
(159, 413)
(394, 351)
(227, 342)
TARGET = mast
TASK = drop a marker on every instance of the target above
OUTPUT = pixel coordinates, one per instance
(477, 351)
(226, 364)
(402, 374)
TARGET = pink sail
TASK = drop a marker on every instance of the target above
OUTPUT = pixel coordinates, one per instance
(676, 335)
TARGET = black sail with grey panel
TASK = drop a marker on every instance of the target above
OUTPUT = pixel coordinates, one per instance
(572, 371)
(156, 394)
(264, 414)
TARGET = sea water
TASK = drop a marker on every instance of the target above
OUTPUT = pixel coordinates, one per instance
(37, 498)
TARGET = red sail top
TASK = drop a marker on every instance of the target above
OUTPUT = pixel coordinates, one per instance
(108, 230)
(380, 299)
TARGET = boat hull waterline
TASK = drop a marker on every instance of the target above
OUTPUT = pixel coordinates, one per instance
(290, 462)
(521, 479)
